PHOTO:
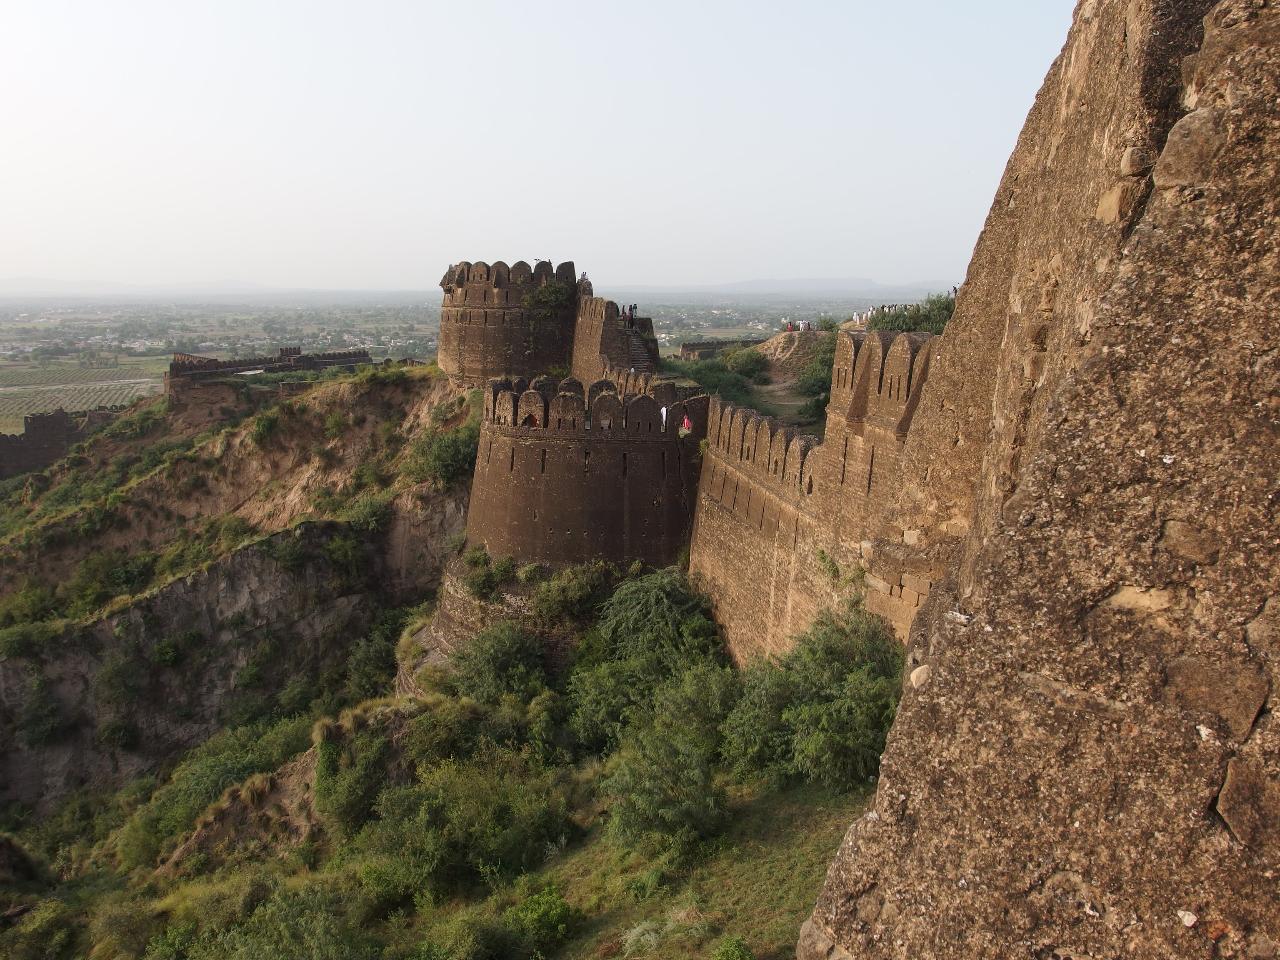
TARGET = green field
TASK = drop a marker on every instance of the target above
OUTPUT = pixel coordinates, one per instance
(27, 388)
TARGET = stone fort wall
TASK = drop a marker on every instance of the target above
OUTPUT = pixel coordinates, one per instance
(609, 344)
(566, 474)
(46, 438)
(813, 517)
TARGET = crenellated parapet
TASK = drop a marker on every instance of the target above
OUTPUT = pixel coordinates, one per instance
(760, 448)
(801, 506)
(483, 284)
(566, 408)
(568, 472)
(877, 378)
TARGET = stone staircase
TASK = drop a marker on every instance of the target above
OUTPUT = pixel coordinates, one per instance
(640, 354)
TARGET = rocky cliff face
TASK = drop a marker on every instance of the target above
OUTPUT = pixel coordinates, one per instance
(104, 702)
(1086, 762)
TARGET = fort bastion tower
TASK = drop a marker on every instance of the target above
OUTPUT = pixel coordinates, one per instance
(602, 464)
(521, 321)
(499, 320)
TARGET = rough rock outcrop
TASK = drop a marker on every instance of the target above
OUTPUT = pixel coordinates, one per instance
(121, 695)
(1090, 767)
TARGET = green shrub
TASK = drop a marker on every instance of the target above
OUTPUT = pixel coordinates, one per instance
(930, 315)
(542, 922)
(444, 457)
(450, 728)
(501, 659)
(288, 550)
(349, 777)
(369, 512)
(371, 665)
(651, 629)
(45, 932)
(119, 680)
(335, 424)
(822, 713)
(264, 427)
(663, 784)
(464, 823)
(309, 924)
(34, 601)
(232, 531)
(815, 379)
(120, 926)
(484, 575)
(477, 938)
(29, 639)
(347, 554)
(749, 363)
(118, 733)
(574, 592)
(173, 943)
(733, 948)
(40, 719)
(139, 424)
(101, 577)
(714, 376)
(530, 572)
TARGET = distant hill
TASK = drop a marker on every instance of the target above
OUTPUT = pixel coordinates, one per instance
(858, 287)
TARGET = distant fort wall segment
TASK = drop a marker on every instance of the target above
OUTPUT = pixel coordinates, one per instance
(46, 438)
(520, 321)
(566, 474)
(188, 368)
(784, 523)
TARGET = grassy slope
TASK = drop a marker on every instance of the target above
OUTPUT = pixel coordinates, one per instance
(759, 883)
(269, 484)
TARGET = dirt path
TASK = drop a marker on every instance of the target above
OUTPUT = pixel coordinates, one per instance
(788, 355)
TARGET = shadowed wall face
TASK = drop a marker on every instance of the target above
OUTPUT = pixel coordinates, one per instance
(46, 438)
(499, 321)
(559, 481)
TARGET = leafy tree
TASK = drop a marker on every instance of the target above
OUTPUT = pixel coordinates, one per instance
(749, 363)
(651, 629)
(501, 659)
(663, 784)
(823, 712)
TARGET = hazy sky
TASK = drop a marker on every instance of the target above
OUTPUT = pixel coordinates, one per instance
(369, 144)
